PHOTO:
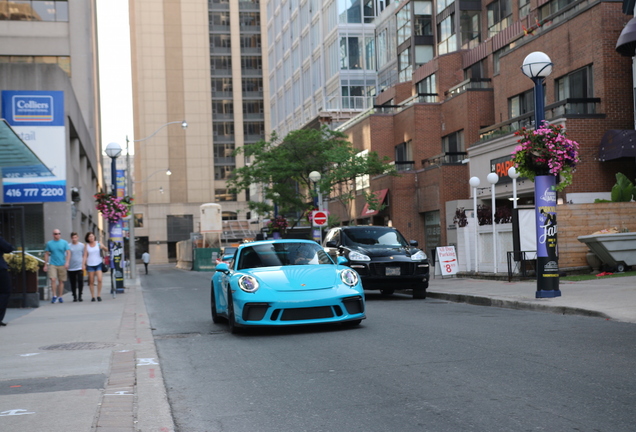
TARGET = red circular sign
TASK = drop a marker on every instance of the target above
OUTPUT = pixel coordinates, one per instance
(320, 218)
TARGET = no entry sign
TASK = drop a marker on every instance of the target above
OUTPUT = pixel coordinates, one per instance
(319, 217)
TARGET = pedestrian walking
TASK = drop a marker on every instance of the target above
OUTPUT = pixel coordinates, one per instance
(56, 269)
(5, 281)
(76, 267)
(145, 258)
(93, 264)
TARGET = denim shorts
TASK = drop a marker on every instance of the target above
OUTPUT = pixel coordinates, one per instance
(92, 269)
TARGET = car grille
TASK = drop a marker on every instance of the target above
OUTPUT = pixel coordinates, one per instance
(406, 269)
(298, 314)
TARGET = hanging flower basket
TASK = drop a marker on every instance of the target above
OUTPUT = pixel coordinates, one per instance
(546, 151)
(111, 207)
(279, 224)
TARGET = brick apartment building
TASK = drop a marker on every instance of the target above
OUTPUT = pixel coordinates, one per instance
(456, 118)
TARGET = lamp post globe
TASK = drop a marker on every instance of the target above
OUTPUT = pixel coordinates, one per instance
(537, 65)
(474, 182)
(315, 176)
(512, 173)
(492, 178)
(113, 150)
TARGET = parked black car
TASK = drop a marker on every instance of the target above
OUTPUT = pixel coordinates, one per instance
(382, 257)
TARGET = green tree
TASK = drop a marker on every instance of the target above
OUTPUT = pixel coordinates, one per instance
(282, 167)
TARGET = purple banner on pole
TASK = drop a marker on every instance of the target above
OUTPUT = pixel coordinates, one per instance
(545, 198)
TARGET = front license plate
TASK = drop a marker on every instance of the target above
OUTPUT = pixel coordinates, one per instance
(392, 271)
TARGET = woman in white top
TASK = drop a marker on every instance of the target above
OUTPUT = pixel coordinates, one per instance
(93, 264)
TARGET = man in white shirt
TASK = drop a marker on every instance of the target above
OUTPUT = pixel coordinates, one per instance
(145, 257)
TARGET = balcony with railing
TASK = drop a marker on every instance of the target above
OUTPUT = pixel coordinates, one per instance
(446, 158)
(469, 84)
(566, 108)
(401, 166)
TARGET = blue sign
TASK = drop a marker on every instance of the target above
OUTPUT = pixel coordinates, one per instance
(37, 118)
(33, 108)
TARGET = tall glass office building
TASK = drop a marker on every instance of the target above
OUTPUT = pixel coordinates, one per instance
(322, 61)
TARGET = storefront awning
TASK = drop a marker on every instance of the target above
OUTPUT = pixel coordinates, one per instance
(626, 44)
(616, 144)
(17, 160)
(366, 211)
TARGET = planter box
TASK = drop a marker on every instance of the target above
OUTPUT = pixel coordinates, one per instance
(31, 283)
(616, 250)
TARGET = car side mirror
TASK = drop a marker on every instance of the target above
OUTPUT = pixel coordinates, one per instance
(413, 243)
(222, 267)
(342, 260)
(331, 244)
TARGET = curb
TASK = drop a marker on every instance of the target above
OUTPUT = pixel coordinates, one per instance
(515, 304)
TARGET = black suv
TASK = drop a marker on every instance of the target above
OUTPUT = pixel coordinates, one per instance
(382, 257)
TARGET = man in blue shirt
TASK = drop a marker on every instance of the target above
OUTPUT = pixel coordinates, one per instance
(59, 252)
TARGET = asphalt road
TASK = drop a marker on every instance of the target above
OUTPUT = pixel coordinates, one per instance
(412, 365)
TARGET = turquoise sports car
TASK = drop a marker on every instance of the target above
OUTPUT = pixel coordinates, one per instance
(283, 283)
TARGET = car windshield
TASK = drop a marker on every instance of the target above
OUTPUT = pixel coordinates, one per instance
(375, 237)
(282, 254)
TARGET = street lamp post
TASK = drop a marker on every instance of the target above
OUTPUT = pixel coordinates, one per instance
(474, 183)
(113, 150)
(493, 178)
(315, 177)
(537, 66)
(131, 224)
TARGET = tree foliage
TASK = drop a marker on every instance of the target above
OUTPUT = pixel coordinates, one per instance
(282, 168)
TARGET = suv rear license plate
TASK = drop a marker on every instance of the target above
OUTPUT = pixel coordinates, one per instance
(392, 271)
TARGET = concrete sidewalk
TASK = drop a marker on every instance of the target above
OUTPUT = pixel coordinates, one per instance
(610, 298)
(82, 366)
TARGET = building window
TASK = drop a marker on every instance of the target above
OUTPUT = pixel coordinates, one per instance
(383, 48)
(553, 7)
(363, 181)
(220, 41)
(496, 58)
(224, 154)
(349, 11)
(469, 29)
(446, 34)
(34, 10)
(405, 68)
(223, 195)
(250, 41)
(221, 63)
(251, 63)
(521, 104)
(252, 85)
(63, 62)
(524, 8)
(383, 4)
(222, 172)
(427, 89)
(223, 129)
(403, 25)
(350, 53)
(369, 10)
(443, 4)
(453, 147)
(252, 107)
(577, 85)
(219, 20)
(499, 16)
(249, 20)
(222, 107)
(256, 130)
(423, 22)
(404, 156)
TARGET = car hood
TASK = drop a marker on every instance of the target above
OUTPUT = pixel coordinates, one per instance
(384, 251)
(297, 278)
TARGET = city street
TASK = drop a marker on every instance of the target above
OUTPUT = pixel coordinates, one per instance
(412, 365)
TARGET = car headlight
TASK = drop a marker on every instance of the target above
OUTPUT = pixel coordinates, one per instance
(357, 256)
(248, 283)
(349, 277)
(418, 256)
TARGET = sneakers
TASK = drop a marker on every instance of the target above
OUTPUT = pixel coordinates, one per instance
(53, 299)
(99, 299)
(93, 299)
(60, 300)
